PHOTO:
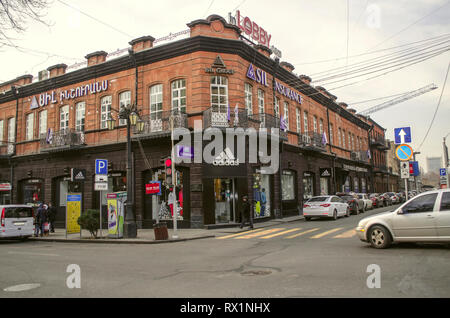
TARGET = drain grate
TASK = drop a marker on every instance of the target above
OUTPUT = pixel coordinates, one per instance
(256, 273)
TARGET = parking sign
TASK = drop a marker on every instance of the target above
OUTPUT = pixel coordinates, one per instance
(101, 166)
(443, 172)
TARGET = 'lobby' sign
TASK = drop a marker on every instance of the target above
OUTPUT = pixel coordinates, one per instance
(80, 91)
(253, 30)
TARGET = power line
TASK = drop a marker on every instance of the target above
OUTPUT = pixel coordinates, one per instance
(95, 19)
(376, 99)
(437, 108)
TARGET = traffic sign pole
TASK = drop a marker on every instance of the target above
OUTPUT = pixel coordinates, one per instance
(101, 229)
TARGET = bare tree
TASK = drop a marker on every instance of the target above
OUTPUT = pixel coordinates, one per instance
(14, 15)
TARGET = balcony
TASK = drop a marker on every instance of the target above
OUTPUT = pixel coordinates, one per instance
(379, 142)
(158, 124)
(214, 118)
(311, 141)
(6, 150)
(380, 168)
(267, 121)
(66, 139)
(361, 156)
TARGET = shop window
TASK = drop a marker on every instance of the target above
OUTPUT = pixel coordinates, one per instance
(219, 94)
(162, 205)
(31, 191)
(288, 185)
(324, 186)
(261, 195)
(179, 95)
(308, 185)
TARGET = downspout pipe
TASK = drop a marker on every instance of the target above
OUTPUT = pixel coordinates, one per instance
(276, 65)
(332, 153)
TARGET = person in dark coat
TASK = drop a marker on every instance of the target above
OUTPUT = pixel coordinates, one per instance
(246, 214)
(41, 218)
(51, 211)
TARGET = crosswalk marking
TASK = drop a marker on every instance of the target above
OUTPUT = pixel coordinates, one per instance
(302, 233)
(257, 234)
(234, 235)
(326, 233)
(280, 233)
(347, 234)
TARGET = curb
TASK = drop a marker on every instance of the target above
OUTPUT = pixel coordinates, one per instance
(102, 241)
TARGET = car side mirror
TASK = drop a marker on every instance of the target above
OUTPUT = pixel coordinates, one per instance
(400, 212)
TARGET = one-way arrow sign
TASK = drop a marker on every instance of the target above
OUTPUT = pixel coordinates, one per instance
(402, 135)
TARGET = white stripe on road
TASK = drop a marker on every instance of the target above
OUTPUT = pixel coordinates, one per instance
(279, 234)
(326, 233)
(347, 234)
(32, 254)
(303, 233)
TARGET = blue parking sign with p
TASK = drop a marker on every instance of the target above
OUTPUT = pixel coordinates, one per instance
(101, 166)
(443, 173)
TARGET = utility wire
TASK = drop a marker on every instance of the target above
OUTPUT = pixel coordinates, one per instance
(95, 19)
(437, 108)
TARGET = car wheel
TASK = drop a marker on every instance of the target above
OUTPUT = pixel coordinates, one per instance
(335, 216)
(307, 218)
(379, 237)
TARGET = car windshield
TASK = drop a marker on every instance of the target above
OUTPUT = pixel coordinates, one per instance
(318, 199)
(360, 196)
(346, 197)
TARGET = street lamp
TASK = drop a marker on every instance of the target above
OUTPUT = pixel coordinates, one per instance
(130, 114)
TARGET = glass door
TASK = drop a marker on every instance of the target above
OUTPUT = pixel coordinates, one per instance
(224, 197)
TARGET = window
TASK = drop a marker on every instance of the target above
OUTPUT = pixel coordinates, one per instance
(80, 116)
(277, 107)
(1, 132)
(156, 101)
(305, 122)
(331, 135)
(423, 203)
(286, 114)
(340, 137)
(343, 139)
(29, 127)
(321, 126)
(261, 106)
(350, 141)
(179, 95)
(249, 98)
(298, 119)
(124, 101)
(315, 124)
(445, 202)
(64, 118)
(219, 94)
(11, 129)
(106, 103)
(42, 123)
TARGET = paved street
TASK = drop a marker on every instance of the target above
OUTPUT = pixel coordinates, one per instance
(320, 258)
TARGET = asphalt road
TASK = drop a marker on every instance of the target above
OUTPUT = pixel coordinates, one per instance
(319, 258)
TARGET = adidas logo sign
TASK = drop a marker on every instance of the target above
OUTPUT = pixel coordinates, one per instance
(226, 158)
(79, 176)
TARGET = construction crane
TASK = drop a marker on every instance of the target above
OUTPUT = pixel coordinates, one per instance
(400, 99)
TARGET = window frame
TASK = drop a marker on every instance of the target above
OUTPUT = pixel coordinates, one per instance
(417, 199)
(179, 89)
(29, 127)
(156, 93)
(218, 83)
(123, 122)
(80, 123)
(106, 113)
(41, 121)
(248, 98)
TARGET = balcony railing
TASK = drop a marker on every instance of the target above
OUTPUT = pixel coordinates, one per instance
(220, 119)
(361, 156)
(380, 168)
(158, 123)
(6, 149)
(379, 142)
(311, 141)
(61, 140)
(267, 121)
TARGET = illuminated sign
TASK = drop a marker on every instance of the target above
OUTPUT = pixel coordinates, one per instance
(253, 30)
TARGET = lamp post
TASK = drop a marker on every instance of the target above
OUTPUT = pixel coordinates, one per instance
(130, 114)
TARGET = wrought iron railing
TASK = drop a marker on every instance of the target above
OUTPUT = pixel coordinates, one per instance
(160, 122)
(267, 121)
(361, 156)
(6, 149)
(223, 119)
(66, 138)
(312, 140)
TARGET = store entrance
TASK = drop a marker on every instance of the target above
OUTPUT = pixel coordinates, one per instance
(225, 200)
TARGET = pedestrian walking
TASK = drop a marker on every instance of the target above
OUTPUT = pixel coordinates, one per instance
(51, 216)
(246, 214)
(41, 218)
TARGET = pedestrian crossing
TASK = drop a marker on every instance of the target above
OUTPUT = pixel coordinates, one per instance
(289, 234)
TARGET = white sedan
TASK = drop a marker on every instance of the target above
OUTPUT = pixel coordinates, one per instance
(368, 204)
(329, 206)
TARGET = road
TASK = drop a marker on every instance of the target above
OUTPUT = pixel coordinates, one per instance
(320, 258)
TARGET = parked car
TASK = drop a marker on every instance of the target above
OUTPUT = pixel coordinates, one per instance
(401, 197)
(386, 199)
(16, 221)
(424, 218)
(329, 206)
(367, 202)
(394, 198)
(376, 200)
(356, 205)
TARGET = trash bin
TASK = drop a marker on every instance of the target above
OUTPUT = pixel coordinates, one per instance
(161, 233)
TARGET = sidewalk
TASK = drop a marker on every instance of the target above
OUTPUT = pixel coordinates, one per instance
(147, 236)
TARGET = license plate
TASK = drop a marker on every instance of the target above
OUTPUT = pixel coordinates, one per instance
(19, 223)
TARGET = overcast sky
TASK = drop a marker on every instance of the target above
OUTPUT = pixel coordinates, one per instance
(307, 32)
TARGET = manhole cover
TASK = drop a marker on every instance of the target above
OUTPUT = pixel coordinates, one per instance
(21, 288)
(256, 273)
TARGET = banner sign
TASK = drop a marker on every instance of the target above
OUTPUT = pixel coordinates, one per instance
(73, 213)
(153, 188)
(5, 187)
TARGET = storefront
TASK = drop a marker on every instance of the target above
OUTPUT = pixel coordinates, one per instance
(31, 191)
(325, 181)
(262, 195)
(5, 193)
(308, 185)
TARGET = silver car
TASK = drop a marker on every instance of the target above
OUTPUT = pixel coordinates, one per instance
(424, 218)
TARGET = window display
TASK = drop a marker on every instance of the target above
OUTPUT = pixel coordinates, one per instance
(308, 185)
(261, 195)
(288, 185)
(162, 205)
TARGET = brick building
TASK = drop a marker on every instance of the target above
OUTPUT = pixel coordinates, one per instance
(50, 126)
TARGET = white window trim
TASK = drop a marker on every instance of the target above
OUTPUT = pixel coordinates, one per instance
(124, 101)
(80, 110)
(179, 98)
(156, 92)
(43, 123)
(64, 123)
(261, 102)
(29, 127)
(248, 91)
(107, 102)
(220, 107)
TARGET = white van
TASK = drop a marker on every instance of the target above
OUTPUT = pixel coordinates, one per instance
(16, 221)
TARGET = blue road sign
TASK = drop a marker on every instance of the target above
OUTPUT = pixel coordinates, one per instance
(402, 135)
(442, 172)
(101, 166)
(404, 152)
